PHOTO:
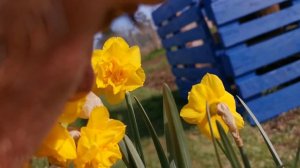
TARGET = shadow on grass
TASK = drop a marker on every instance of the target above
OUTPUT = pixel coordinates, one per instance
(154, 108)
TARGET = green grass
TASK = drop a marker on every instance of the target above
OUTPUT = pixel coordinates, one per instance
(154, 54)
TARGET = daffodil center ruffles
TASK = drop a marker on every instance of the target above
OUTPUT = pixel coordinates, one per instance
(114, 74)
(210, 91)
(117, 68)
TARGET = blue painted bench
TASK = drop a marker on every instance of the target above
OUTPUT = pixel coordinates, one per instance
(186, 38)
(259, 52)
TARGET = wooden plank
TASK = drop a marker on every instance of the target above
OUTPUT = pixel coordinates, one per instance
(255, 84)
(202, 54)
(169, 9)
(228, 10)
(244, 59)
(236, 33)
(191, 15)
(185, 86)
(181, 39)
(272, 105)
(193, 73)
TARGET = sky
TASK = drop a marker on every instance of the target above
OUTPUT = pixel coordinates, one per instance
(123, 23)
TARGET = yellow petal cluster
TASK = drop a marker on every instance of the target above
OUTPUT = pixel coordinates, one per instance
(117, 68)
(58, 146)
(212, 91)
(72, 110)
(98, 144)
(79, 108)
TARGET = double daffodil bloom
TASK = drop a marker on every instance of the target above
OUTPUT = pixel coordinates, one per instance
(117, 68)
(211, 91)
(98, 144)
(58, 146)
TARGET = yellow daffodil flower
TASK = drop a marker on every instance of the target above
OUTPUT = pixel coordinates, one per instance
(58, 146)
(80, 108)
(98, 144)
(212, 91)
(72, 110)
(118, 69)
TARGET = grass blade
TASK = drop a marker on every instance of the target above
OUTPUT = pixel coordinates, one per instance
(297, 156)
(161, 154)
(176, 132)
(133, 153)
(228, 147)
(213, 136)
(271, 148)
(133, 126)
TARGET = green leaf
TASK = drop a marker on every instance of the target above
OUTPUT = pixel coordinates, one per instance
(231, 155)
(244, 157)
(297, 156)
(213, 136)
(172, 164)
(125, 155)
(271, 148)
(133, 126)
(170, 142)
(161, 154)
(133, 153)
(175, 130)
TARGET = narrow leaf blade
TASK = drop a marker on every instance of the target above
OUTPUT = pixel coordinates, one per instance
(213, 136)
(271, 148)
(133, 153)
(133, 126)
(161, 154)
(244, 158)
(228, 147)
(182, 157)
(125, 155)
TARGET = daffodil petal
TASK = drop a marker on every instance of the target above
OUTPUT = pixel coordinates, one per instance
(214, 83)
(204, 127)
(198, 97)
(120, 42)
(135, 80)
(228, 99)
(98, 115)
(191, 115)
(72, 111)
(58, 145)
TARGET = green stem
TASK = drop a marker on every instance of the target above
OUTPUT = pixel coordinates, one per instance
(212, 135)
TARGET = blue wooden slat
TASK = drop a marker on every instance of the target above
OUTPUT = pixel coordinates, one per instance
(236, 33)
(245, 59)
(169, 9)
(193, 73)
(192, 15)
(229, 10)
(272, 105)
(181, 39)
(202, 54)
(185, 86)
(252, 85)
